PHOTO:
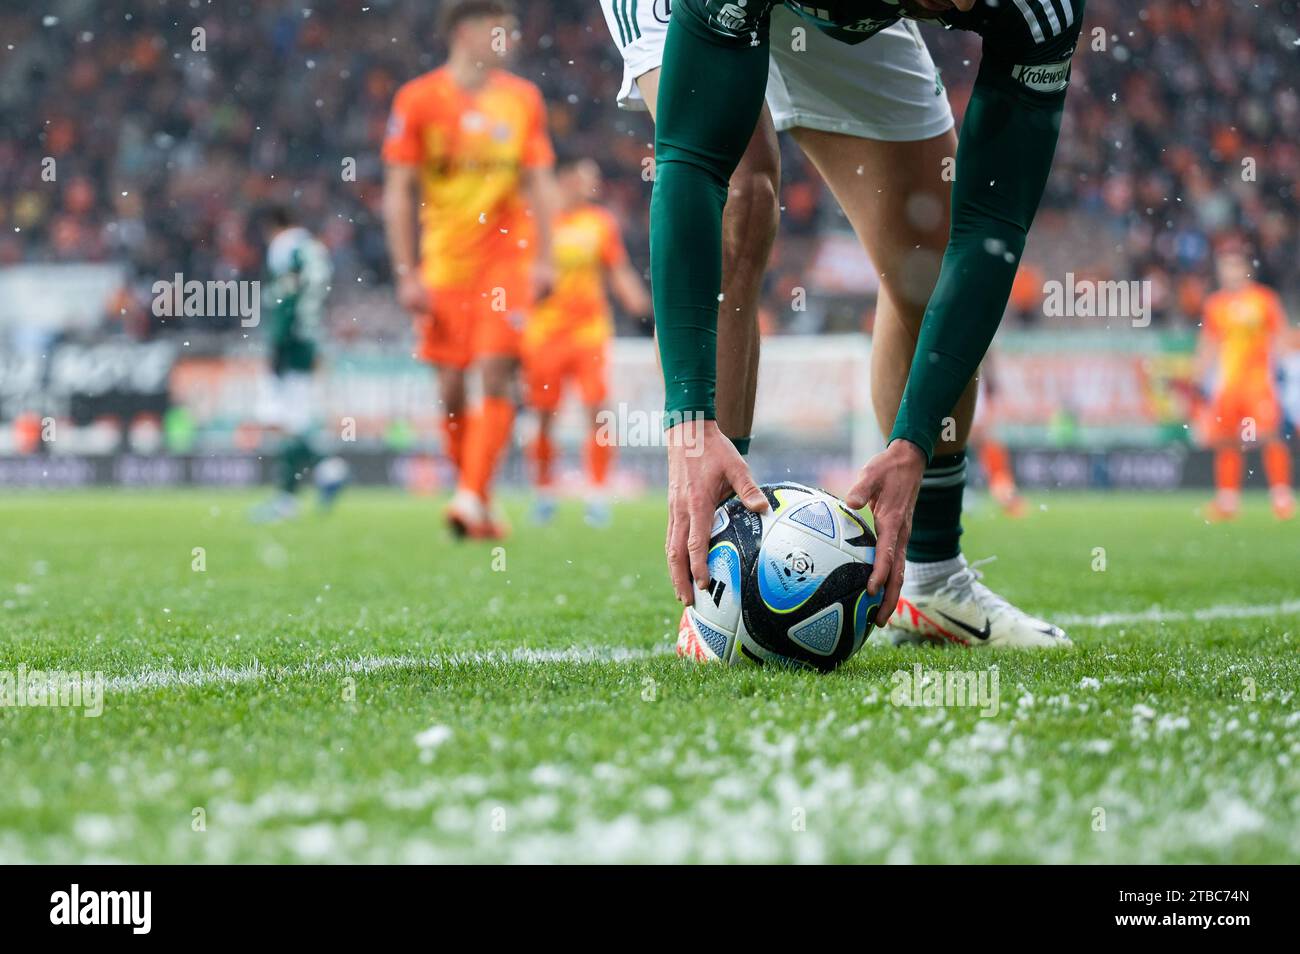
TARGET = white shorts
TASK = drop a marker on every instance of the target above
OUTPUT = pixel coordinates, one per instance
(886, 88)
(288, 402)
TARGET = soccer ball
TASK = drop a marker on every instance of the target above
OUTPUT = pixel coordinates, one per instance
(788, 586)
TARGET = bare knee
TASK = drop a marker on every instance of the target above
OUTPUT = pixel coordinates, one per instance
(909, 283)
(451, 389)
(497, 375)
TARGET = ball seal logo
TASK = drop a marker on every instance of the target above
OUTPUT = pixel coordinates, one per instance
(786, 583)
(798, 564)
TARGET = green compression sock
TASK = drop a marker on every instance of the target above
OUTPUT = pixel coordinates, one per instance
(296, 457)
(936, 522)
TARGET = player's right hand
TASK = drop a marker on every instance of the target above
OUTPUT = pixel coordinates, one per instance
(704, 469)
(412, 294)
(889, 484)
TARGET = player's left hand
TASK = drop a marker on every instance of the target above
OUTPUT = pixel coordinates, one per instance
(889, 484)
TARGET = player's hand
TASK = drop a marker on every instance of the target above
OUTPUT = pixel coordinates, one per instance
(704, 469)
(412, 294)
(543, 279)
(888, 484)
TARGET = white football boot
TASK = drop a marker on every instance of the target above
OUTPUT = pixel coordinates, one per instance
(962, 611)
(470, 517)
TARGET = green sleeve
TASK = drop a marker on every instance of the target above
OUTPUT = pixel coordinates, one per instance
(1007, 142)
(710, 96)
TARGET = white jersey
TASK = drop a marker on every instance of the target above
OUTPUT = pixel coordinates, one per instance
(299, 268)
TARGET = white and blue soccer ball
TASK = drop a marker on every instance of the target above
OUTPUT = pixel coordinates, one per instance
(788, 586)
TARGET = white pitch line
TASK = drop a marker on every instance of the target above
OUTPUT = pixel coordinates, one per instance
(255, 672)
(1158, 614)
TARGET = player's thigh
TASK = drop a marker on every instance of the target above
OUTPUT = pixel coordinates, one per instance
(300, 404)
(499, 322)
(497, 374)
(648, 84)
(451, 387)
(445, 335)
(1259, 417)
(543, 371)
(591, 373)
(894, 196)
(1227, 417)
(874, 120)
(287, 402)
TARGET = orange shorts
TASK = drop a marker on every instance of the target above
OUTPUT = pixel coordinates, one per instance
(1231, 412)
(469, 323)
(549, 365)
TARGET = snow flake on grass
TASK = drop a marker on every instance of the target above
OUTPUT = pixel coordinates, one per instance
(430, 739)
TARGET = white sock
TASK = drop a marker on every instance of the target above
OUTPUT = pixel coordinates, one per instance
(929, 576)
(468, 500)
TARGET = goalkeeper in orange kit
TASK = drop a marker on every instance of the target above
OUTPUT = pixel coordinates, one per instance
(1244, 323)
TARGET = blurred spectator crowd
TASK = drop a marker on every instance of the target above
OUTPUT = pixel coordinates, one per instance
(168, 123)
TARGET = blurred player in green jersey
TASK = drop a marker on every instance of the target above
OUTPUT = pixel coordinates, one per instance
(298, 272)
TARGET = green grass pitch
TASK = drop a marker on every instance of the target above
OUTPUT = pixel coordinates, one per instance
(358, 688)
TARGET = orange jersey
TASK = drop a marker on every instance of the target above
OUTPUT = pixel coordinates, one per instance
(1244, 324)
(472, 148)
(587, 243)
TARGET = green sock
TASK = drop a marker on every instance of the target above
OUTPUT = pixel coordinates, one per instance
(936, 522)
(296, 456)
(742, 444)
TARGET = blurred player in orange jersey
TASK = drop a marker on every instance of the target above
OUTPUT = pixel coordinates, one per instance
(467, 146)
(1244, 323)
(566, 338)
